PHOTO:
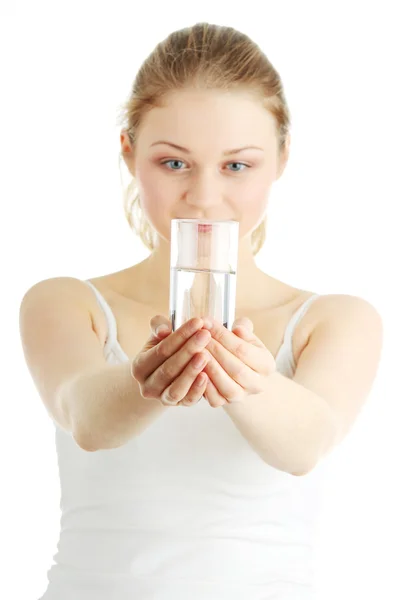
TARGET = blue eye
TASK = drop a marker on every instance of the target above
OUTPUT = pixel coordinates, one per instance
(180, 162)
(239, 164)
(173, 161)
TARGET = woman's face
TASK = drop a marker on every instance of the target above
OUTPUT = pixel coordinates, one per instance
(205, 154)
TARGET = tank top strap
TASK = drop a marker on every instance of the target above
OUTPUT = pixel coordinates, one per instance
(300, 312)
(111, 339)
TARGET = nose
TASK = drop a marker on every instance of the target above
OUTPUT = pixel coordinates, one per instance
(204, 190)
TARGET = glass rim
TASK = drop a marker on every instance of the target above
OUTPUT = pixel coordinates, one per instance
(211, 221)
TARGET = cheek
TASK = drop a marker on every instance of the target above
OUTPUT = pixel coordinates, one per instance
(152, 191)
(252, 204)
(154, 197)
(253, 201)
(148, 185)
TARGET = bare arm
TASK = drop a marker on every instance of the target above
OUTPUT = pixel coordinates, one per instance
(294, 423)
(100, 404)
(290, 427)
(105, 409)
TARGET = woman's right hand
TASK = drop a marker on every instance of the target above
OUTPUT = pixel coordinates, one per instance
(169, 366)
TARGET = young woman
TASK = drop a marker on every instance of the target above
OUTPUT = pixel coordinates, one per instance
(217, 500)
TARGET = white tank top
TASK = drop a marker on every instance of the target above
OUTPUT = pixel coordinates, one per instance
(185, 511)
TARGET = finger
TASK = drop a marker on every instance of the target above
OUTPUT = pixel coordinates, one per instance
(213, 396)
(155, 335)
(180, 387)
(246, 333)
(160, 326)
(243, 322)
(196, 392)
(172, 368)
(156, 352)
(252, 353)
(228, 368)
(243, 333)
(227, 387)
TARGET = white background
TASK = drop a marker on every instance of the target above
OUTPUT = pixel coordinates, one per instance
(65, 71)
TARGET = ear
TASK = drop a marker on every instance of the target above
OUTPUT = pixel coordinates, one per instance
(127, 151)
(284, 156)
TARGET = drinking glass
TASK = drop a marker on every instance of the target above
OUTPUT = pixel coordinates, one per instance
(203, 266)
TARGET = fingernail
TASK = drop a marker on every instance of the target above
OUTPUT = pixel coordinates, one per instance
(162, 329)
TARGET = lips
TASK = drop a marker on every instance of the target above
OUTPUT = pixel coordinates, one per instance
(204, 227)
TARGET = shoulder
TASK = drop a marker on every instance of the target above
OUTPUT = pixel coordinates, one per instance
(343, 313)
(79, 289)
(61, 286)
(55, 290)
(345, 316)
(344, 306)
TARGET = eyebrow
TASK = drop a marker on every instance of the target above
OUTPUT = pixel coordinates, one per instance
(226, 153)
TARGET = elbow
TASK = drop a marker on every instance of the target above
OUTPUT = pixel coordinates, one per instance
(84, 443)
(302, 469)
(302, 472)
(331, 436)
(91, 443)
(86, 440)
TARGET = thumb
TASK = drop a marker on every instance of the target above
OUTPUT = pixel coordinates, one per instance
(160, 328)
(243, 323)
(244, 328)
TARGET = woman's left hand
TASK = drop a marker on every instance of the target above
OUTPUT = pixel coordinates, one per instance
(239, 363)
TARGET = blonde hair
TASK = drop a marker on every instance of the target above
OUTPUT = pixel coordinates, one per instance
(208, 57)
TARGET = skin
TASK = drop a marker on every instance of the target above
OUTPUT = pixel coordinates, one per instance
(205, 183)
(195, 176)
(202, 182)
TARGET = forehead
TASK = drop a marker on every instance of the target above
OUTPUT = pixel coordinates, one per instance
(187, 116)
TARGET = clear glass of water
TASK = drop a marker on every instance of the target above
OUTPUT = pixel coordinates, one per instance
(203, 268)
